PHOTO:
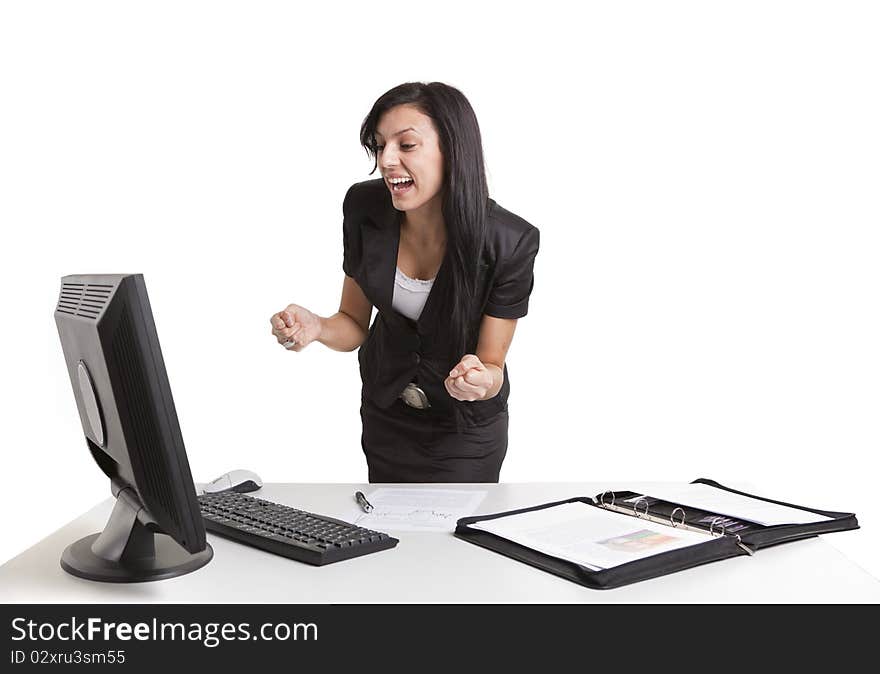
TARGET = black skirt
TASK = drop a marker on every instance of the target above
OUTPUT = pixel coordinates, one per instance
(403, 444)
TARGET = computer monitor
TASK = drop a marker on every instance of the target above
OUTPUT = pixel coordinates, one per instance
(124, 400)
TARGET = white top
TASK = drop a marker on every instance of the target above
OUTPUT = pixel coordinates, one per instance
(410, 295)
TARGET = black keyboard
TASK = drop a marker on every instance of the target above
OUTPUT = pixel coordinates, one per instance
(304, 536)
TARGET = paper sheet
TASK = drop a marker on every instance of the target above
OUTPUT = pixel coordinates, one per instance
(401, 509)
(590, 536)
(715, 500)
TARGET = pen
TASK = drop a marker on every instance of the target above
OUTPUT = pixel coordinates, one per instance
(362, 501)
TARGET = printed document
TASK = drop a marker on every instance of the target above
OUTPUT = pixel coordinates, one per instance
(590, 536)
(401, 509)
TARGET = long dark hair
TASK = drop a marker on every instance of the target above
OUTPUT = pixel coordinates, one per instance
(465, 196)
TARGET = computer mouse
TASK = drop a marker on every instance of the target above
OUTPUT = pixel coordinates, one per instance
(235, 480)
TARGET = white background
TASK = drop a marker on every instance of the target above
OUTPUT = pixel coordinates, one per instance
(704, 175)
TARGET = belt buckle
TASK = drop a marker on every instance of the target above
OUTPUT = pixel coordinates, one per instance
(415, 397)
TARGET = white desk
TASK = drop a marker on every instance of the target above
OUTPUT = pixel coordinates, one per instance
(432, 567)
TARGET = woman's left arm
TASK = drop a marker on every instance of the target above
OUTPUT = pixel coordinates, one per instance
(480, 376)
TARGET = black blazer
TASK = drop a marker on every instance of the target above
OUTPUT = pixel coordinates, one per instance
(399, 350)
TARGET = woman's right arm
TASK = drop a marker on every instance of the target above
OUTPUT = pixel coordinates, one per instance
(345, 330)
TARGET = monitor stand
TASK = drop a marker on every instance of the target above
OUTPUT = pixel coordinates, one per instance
(128, 552)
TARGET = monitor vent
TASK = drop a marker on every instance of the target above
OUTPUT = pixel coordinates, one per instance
(144, 445)
(84, 299)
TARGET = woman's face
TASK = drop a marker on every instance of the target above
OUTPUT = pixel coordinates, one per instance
(408, 146)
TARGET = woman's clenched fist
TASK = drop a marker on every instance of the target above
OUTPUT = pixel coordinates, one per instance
(296, 327)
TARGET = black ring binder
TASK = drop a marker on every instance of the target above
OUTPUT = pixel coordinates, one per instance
(718, 546)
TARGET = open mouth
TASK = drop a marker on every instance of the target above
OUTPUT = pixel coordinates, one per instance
(403, 186)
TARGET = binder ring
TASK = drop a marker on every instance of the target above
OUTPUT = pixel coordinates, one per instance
(602, 498)
(636, 507)
(712, 526)
(672, 516)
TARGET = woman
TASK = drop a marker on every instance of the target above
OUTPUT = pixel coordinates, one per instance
(449, 272)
